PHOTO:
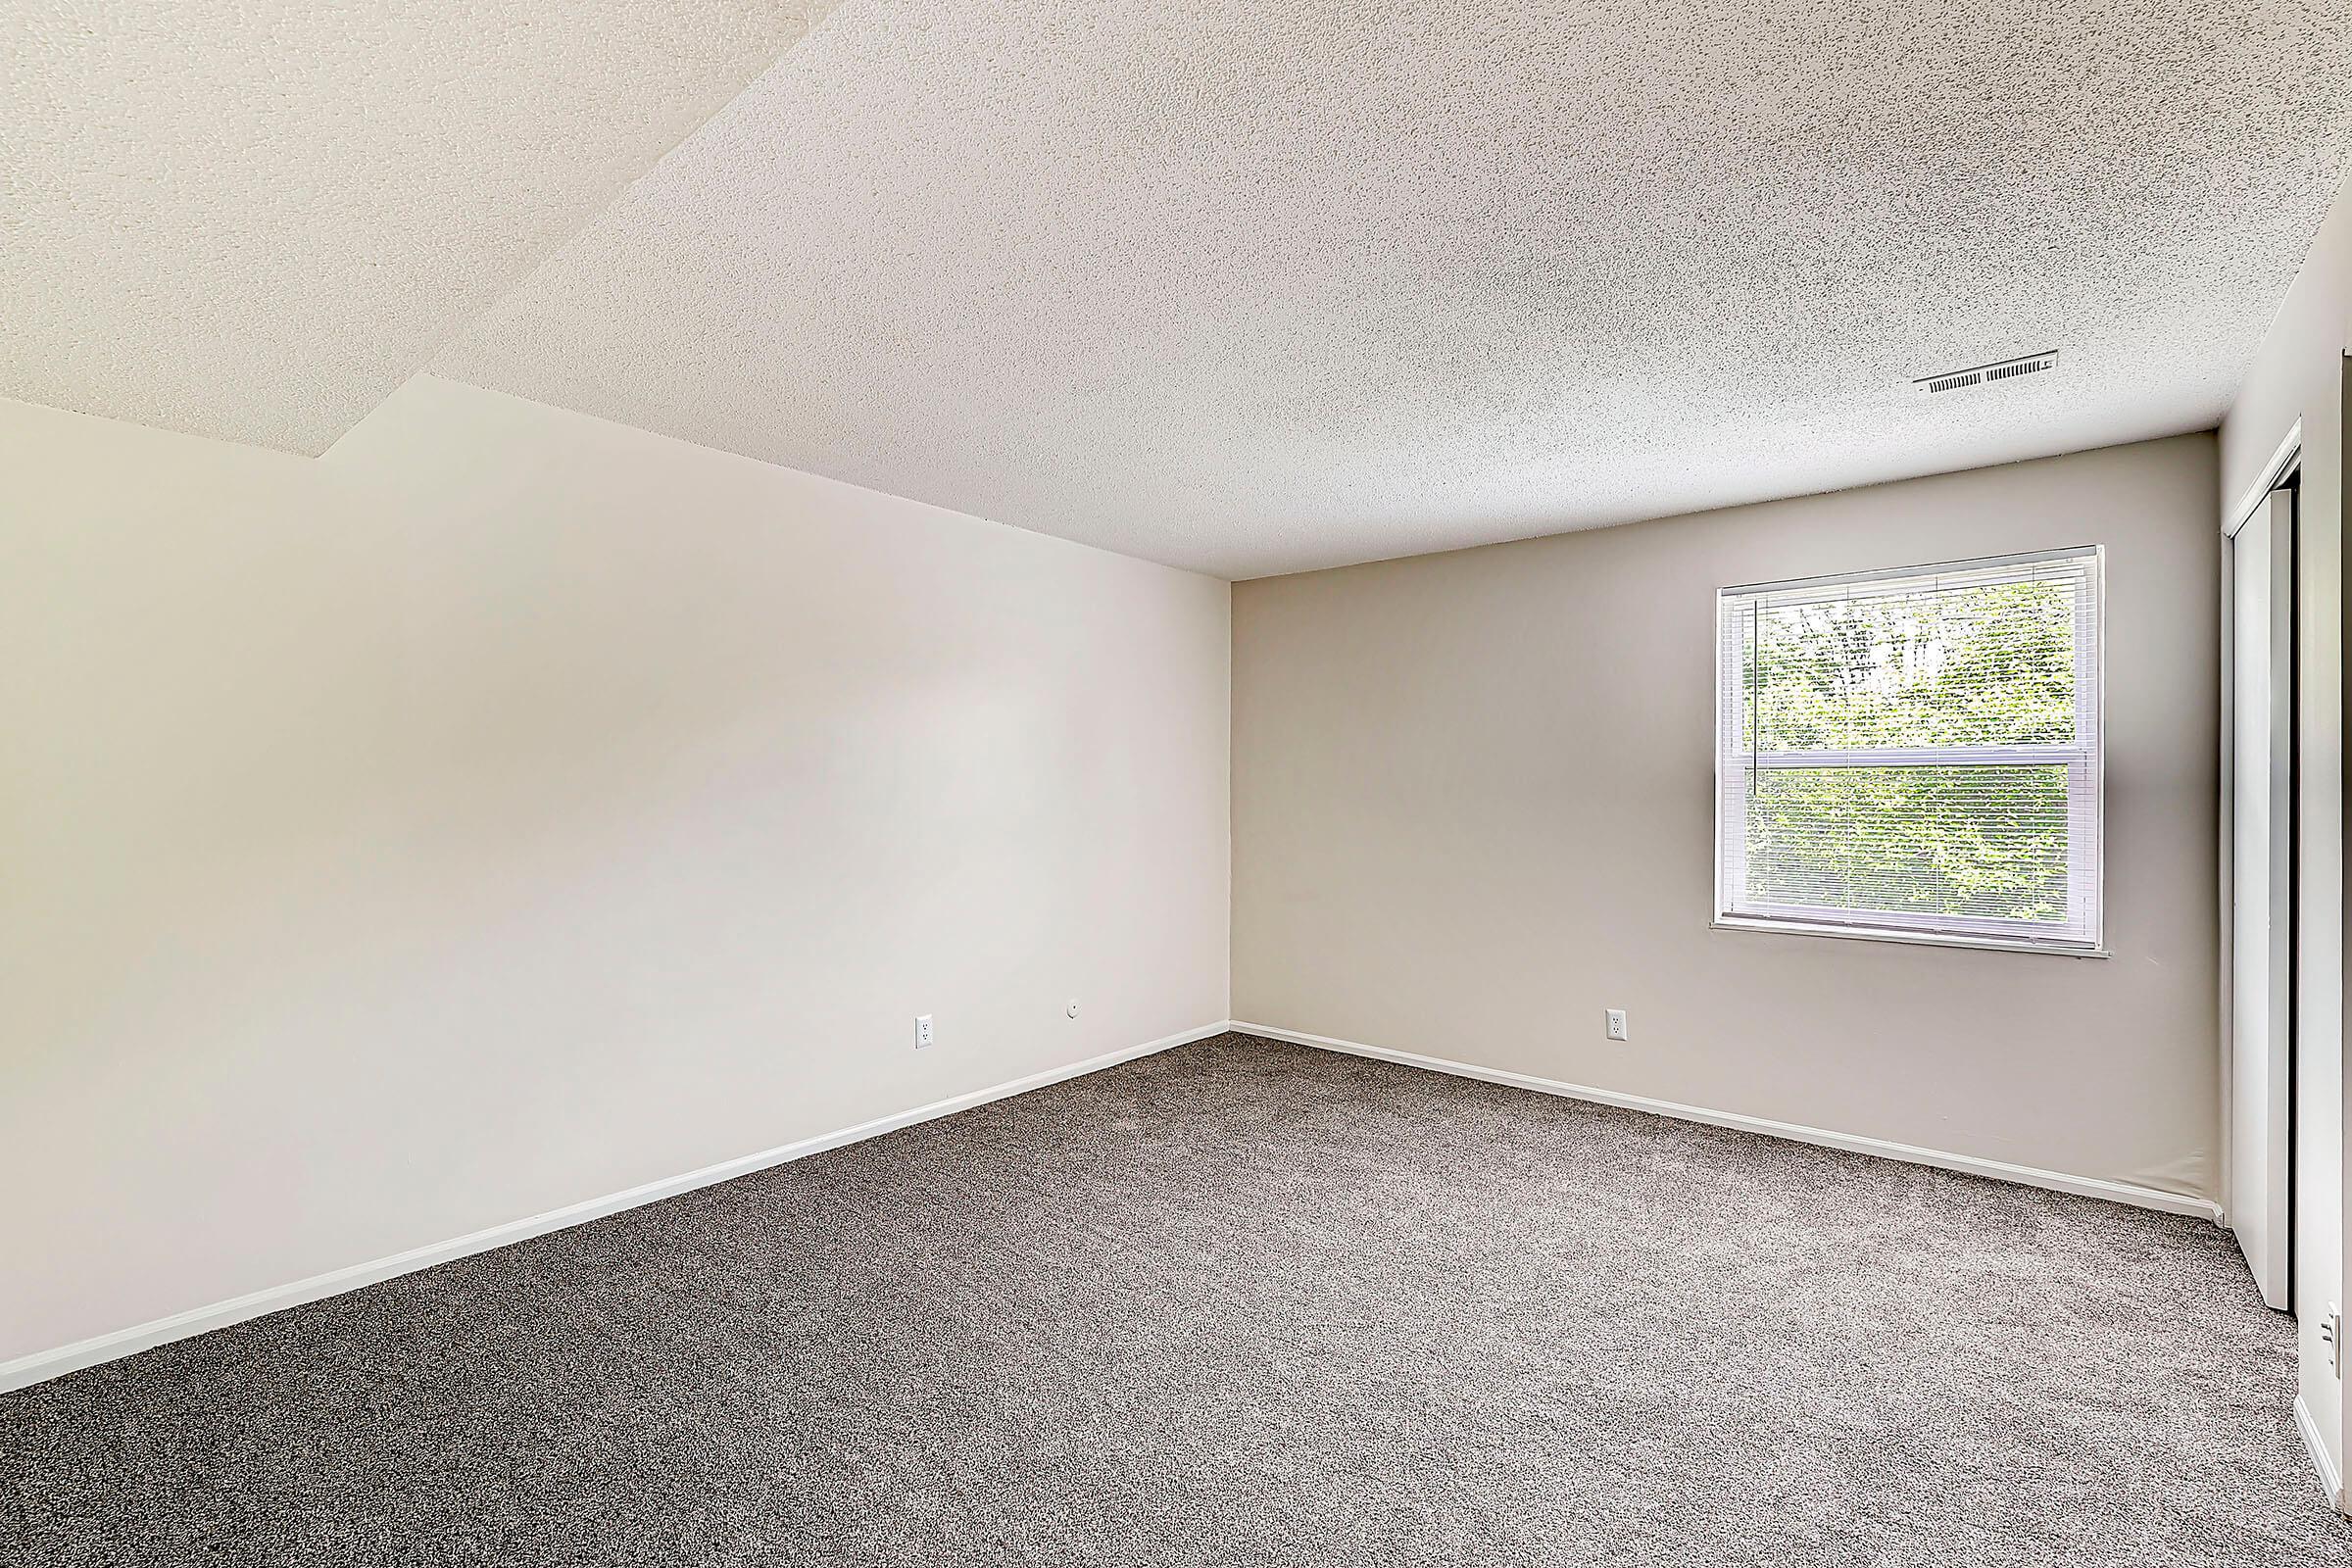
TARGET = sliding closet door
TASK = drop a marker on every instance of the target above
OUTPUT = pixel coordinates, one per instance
(2261, 1082)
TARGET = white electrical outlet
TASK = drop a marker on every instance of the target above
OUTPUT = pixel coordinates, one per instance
(922, 1031)
(1617, 1023)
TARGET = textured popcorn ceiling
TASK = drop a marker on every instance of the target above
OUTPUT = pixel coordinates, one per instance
(1258, 287)
(254, 219)
(1244, 287)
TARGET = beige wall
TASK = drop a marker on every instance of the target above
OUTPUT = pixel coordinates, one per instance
(510, 808)
(1472, 808)
(2299, 375)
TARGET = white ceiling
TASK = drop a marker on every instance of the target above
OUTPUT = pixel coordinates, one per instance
(1242, 287)
(254, 219)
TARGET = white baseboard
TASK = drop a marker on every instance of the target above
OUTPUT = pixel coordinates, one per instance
(43, 1365)
(2024, 1175)
(2329, 1479)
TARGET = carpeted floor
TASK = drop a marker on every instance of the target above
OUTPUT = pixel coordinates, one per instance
(1238, 1303)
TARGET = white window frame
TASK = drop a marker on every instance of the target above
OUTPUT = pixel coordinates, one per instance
(2085, 761)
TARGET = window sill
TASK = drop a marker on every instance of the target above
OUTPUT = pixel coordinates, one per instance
(1920, 939)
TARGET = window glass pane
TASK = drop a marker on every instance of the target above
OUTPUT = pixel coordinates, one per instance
(1987, 843)
(1990, 664)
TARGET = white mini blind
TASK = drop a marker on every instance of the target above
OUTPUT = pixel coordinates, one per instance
(1915, 751)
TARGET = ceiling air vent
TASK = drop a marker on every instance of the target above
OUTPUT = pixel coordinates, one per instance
(1987, 374)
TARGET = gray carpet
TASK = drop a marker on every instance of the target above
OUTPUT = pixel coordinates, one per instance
(1238, 1303)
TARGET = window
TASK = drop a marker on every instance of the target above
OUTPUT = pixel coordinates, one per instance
(1914, 754)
